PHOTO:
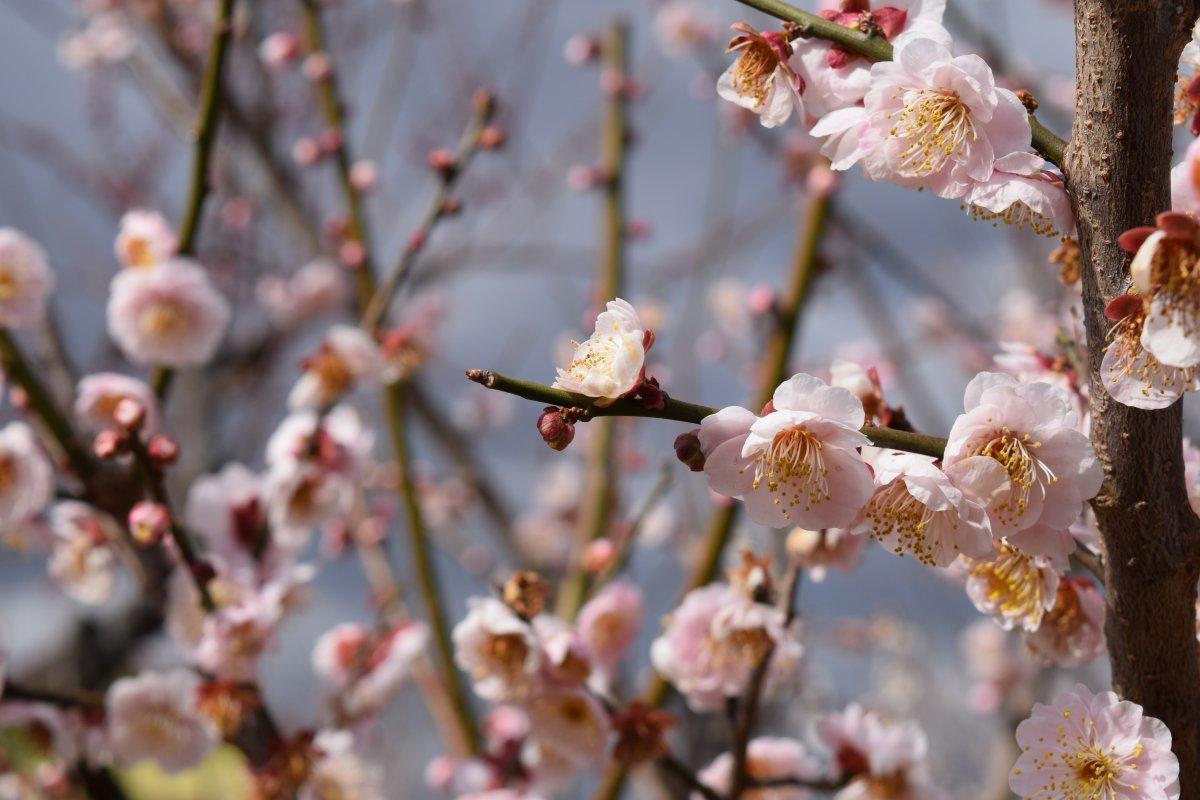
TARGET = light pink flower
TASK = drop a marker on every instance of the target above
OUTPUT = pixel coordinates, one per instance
(1030, 429)
(714, 640)
(930, 120)
(316, 288)
(1022, 193)
(1166, 270)
(168, 315)
(683, 27)
(365, 670)
(339, 773)
(1072, 632)
(83, 562)
(998, 669)
(1086, 745)
(228, 511)
(97, 396)
(279, 49)
(569, 725)
(609, 622)
(1016, 589)
(934, 515)
(818, 551)
(1130, 372)
(346, 357)
(610, 363)
(154, 716)
(883, 760)
(1191, 473)
(145, 239)
(497, 649)
(836, 77)
(767, 758)
(796, 465)
(761, 79)
(26, 280)
(1185, 181)
(26, 476)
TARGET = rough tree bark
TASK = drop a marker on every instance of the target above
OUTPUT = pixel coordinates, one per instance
(1117, 165)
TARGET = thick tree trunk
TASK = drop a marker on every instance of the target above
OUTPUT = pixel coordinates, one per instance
(1117, 165)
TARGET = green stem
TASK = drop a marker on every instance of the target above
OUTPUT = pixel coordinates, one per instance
(877, 48)
(427, 577)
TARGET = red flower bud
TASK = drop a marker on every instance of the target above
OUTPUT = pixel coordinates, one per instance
(687, 450)
(149, 522)
(129, 414)
(443, 162)
(492, 137)
(163, 450)
(555, 429)
(110, 443)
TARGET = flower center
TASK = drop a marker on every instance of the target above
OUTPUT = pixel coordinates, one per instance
(8, 282)
(507, 652)
(1096, 771)
(1018, 215)
(1131, 360)
(936, 126)
(164, 319)
(1015, 452)
(794, 467)
(895, 513)
(755, 67)
(1014, 585)
(139, 253)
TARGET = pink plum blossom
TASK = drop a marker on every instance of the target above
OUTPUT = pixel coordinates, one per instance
(714, 640)
(346, 357)
(364, 670)
(1016, 589)
(154, 716)
(1166, 270)
(767, 758)
(825, 549)
(228, 512)
(97, 396)
(316, 288)
(682, 27)
(1030, 429)
(608, 624)
(1022, 193)
(1072, 632)
(1132, 374)
(611, 361)
(798, 464)
(934, 515)
(762, 79)
(497, 649)
(339, 772)
(145, 239)
(880, 759)
(83, 562)
(26, 280)
(569, 725)
(168, 315)
(1086, 745)
(999, 669)
(26, 476)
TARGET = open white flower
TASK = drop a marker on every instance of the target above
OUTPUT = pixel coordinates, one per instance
(347, 356)
(154, 716)
(611, 361)
(145, 239)
(26, 280)
(26, 476)
(497, 649)
(83, 563)
(762, 79)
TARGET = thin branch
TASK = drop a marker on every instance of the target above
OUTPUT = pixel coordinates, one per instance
(681, 771)
(679, 411)
(876, 48)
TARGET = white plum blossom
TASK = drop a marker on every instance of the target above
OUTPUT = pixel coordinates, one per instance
(608, 624)
(1022, 193)
(1030, 428)
(767, 758)
(1166, 270)
(154, 716)
(97, 396)
(497, 649)
(611, 361)
(1185, 181)
(314, 289)
(715, 639)
(879, 759)
(798, 464)
(339, 773)
(145, 239)
(167, 315)
(346, 357)
(934, 515)
(227, 510)
(762, 79)
(1093, 745)
(364, 670)
(83, 562)
(569, 725)
(1015, 588)
(26, 280)
(930, 120)
(1130, 372)
(26, 475)
(1072, 632)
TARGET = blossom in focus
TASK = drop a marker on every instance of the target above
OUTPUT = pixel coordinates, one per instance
(154, 716)
(346, 357)
(715, 639)
(837, 77)
(930, 120)
(1166, 270)
(314, 289)
(97, 396)
(145, 239)
(167, 315)
(1130, 372)
(767, 758)
(1015, 588)
(761, 79)
(1022, 193)
(933, 515)
(611, 361)
(1089, 745)
(83, 562)
(1072, 632)
(880, 759)
(1030, 428)
(26, 476)
(497, 649)
(26, 280)
(798, 464)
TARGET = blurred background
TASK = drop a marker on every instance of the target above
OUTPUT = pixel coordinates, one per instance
(93, 121)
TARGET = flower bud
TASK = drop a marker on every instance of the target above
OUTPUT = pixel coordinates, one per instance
(687, 450)
(526, 593)
(130, 414)
(492, 137)
(317, 67)
(109, 443)
(163, 450)
(555, 429)
(149, 522)
(442, 161)
(598, 556)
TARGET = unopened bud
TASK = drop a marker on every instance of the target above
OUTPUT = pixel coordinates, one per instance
(598, 556)
(109, 443)
(451, 207)
(492, 137)
(352, 253)
(1027, 99)
(130, 414)
(484, 101)
(442, 161)
(526, 593)
(317, 67)
(556, 430)
(581, 49)
(687, 450)
(163, 450)
(331, 141)
(19, 398)
(149, 522)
